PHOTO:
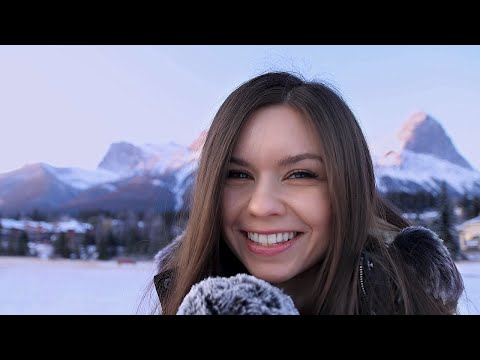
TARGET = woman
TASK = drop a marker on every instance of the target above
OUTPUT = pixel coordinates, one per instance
(285, 191)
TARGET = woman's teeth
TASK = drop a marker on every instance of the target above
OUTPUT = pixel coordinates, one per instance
(271, 239)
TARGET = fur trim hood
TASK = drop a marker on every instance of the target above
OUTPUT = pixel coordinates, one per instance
(439, 275)
(428, 262)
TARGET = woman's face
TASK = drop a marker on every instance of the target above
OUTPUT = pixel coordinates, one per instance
(275, 205)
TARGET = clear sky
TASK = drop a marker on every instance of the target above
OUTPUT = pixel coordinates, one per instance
(64, 105)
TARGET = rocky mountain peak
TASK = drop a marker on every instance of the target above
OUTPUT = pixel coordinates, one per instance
(422, 134)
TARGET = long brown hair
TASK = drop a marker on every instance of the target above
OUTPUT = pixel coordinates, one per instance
(356, 207)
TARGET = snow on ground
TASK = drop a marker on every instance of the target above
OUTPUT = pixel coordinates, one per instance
(41, 286)
(470, 301)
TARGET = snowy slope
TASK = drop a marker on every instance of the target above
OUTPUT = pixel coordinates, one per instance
(82, 179)
(425, 170)
(426, 158)
(127, 159)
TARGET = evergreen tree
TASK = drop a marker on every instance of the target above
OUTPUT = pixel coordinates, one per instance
(11, 247)
(76, 251)
(102, 249)
(22, 249)
(38, 215)
(475, 206)
(131, 234)
(101, 228)
(464, 204)
(61, 246)
(133, 239)
(156, 234)
(2, 251)
(445, 223)
(417, 202)
(111, 244)
(89, 238)
(470, 205)
(101, 240)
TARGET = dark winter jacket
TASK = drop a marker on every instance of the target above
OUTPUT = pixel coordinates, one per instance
(428, 262)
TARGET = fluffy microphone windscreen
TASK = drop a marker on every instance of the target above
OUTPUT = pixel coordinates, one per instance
(241, 294)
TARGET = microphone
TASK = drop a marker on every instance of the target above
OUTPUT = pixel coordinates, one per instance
(241, 294)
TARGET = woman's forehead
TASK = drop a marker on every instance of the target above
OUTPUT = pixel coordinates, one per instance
(277, 131)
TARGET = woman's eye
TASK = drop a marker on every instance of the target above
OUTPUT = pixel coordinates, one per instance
(235, 174)
(300, 174)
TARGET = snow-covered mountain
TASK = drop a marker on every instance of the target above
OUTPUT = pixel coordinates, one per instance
(82, 179)
(139, 192)
(33, 187)
(41, 186)
(422, 134)
(170, 167)
(128, 177)
(126, 159)
(161, 176)
(426, 159)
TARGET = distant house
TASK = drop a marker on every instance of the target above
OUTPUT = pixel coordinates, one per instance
(469, 234)
(42, 235)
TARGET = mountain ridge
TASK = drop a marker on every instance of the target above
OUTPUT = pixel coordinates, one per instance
(161, 177)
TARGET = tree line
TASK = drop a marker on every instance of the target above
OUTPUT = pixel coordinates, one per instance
(112, 234)
(142, 234)
(450, 211)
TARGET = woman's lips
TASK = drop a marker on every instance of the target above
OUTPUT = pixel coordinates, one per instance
(270, 249)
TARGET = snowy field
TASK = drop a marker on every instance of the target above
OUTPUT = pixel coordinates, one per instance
(470, 302)
(40, 286)
(37, 286)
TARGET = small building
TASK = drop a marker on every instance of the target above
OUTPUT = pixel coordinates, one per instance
(42, 235)
(469, 234)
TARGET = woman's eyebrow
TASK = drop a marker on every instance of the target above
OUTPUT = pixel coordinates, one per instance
(239, 161)
(288, 160)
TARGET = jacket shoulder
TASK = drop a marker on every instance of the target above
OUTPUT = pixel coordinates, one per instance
(164, 255)
(164, 275)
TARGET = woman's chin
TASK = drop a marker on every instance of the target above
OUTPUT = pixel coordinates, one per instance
(273, 278)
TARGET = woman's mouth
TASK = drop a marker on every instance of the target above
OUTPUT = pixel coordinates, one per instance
(268, 244)
(272, 238)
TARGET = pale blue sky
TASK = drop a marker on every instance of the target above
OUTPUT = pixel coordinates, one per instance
(64, 105)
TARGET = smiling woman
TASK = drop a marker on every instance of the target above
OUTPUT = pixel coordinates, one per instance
(276, 204)
(285, 192)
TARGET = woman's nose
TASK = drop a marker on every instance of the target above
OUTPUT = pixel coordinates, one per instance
(265, 200)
